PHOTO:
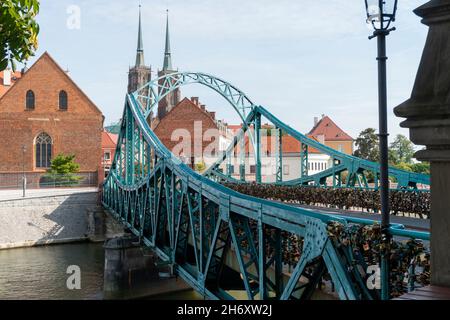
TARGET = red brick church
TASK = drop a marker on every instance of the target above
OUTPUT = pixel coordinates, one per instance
(44, 113)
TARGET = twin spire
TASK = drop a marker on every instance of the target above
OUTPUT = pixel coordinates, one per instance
(167, 54)
(167, 65)
(140, 45)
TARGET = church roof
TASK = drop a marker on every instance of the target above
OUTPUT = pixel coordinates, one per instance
(329, 130)
(183, 103)
(47, 58)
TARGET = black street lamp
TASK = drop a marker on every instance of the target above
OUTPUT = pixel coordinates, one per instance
(24, 177)
(380, 14)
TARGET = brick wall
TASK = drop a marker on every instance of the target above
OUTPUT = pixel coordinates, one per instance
(184, 116)
(77, 130)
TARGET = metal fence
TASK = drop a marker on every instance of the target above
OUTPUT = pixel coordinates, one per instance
(40, 180)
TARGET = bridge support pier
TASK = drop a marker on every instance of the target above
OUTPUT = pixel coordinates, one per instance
(428, 118)
(132, 271)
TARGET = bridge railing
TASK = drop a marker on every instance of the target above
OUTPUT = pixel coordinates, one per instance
(40, 180)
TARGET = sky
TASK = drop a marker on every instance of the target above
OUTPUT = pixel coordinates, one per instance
(299, 59)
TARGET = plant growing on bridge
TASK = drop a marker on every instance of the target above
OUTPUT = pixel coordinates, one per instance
(63, 171)
(200, 166)
(18, 31)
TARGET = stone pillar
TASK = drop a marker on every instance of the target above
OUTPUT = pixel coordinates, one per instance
(427, 115)
(127, 267)
(134, 271)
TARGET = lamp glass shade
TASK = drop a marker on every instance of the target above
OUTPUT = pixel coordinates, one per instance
(381, 13)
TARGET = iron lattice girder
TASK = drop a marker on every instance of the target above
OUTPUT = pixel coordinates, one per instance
(216, 221)
(153, 92)
(148, 97)
(354, 166)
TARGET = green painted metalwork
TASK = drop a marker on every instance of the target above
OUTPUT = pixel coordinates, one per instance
(357, 169)
(304, 160)
(219, 240)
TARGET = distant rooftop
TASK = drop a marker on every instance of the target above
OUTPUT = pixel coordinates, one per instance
(329, 130)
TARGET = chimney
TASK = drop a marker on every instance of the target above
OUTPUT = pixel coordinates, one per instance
(7, 77)
(24, 69)
(195, 100)
(316, 121)
(203, 107)
(213, 115)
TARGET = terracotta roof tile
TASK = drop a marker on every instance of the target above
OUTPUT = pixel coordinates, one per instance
(109, 140)
(330, 130)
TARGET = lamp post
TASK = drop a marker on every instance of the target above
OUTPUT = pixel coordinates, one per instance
(380, 14)
(24, 177)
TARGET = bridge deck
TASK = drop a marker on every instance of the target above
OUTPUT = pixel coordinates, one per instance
(427, 293)
(408, 222)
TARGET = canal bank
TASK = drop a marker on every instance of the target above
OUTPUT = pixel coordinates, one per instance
(61, 229)
(48, 217)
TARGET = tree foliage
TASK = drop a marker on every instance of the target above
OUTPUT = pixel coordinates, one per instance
(402, 149)
(18, 31)
(64, 164)
(400, 153)
(420, 167)
(367, 145)
(63, 171)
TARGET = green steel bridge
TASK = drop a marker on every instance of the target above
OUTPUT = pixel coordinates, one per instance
(214, 236)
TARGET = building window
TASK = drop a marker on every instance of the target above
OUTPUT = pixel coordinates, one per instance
(107, 156)
(30, 100)
(252, 169)
(340, 148)
(63, 100)
(231, 169)
(107, 169)
(286, 170)
(43, 147)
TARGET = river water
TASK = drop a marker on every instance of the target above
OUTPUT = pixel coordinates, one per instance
(41, 273)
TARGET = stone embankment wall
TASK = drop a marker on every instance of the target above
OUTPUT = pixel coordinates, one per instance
(53, 220)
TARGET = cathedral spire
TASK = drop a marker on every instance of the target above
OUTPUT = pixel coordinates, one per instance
(140, 45)
(167, 54)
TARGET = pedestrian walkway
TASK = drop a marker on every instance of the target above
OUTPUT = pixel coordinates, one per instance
(410, 223)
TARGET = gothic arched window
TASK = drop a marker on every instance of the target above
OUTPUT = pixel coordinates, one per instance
(62, 100)
(30, 100)
(43, 150)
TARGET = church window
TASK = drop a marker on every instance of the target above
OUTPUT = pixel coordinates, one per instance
(30, 100)
(63, 100)
(43, 150)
